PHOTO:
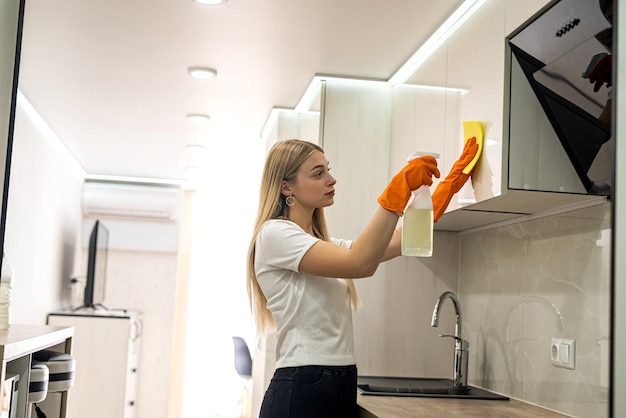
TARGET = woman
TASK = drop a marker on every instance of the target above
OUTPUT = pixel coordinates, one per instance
(300, 279)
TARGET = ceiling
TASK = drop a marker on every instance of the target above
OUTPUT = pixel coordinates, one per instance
(110, 77)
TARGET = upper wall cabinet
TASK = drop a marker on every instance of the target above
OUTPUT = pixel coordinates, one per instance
(369, 130)
(524, 156)
(355, 126)
(426, 120)
(525, 167)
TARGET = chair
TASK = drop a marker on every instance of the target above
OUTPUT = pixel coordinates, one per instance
(243, 366)
(243, 359)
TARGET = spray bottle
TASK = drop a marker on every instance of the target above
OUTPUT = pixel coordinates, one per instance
(418, 220)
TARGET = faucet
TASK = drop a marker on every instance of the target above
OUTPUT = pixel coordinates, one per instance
(460, 345)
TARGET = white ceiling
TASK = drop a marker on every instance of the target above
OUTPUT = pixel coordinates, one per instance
(110, 77)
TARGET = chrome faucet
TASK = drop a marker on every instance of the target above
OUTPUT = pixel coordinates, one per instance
(460, 345)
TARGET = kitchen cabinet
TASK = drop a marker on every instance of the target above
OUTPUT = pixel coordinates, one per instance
(426, 120)
(524, 169)
(530, 175)
(17, 346)
(358, 121)
(355, 136)
(530, 172)
(106, 350)
(291, 124)
(367, 131)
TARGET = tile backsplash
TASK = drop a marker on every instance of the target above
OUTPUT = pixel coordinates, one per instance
(521, 285)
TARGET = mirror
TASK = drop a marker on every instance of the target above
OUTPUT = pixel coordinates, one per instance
(11, 20)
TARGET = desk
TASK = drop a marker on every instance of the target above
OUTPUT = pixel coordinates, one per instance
(17, 345)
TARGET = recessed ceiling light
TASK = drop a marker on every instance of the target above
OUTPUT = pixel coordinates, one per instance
(211, 2)
(195, 148)
(197, 118)
(201, 72)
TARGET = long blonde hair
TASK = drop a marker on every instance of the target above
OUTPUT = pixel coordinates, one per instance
(282, 163)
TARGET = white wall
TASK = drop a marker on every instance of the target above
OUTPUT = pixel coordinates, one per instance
(141, 276)
(146, 281)
(43, 220)
(521, 285)
(43, 242)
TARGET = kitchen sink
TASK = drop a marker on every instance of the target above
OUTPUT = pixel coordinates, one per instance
(423, 387)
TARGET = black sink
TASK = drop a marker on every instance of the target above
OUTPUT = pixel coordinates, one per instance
(424, 387)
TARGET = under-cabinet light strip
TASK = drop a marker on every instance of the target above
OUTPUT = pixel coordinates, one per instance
(456, 19)
(595, 201)
(50, 135)
(314, 87)
(68, 157)
(436, 88)
(310, 95)
(312, 91)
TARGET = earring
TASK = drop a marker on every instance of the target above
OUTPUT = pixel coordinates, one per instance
(290, 200)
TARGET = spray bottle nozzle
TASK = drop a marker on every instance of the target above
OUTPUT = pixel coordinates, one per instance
(422, 154)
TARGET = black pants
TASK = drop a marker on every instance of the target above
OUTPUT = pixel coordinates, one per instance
(311, 392)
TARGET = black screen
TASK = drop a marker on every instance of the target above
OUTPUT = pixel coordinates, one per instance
(96, 266)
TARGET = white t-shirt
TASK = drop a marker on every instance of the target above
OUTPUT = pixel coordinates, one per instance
(313, 314)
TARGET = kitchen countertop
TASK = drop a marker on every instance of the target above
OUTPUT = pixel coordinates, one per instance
(408, 407)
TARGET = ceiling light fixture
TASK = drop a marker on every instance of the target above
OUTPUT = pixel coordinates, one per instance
(212, 2)
(456, 19)
(202, 72)
(195, 148)
(198, 118)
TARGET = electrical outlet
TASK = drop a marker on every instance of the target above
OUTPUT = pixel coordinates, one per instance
(563, 353)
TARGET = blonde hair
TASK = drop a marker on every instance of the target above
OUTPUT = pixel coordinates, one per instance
(282, 163)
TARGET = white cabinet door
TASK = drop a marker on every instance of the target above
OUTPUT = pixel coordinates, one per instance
(106, 351)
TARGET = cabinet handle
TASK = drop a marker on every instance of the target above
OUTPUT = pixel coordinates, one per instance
(138, 324)
(131, 403)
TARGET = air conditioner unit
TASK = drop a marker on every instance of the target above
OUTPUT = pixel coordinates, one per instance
(131, 200)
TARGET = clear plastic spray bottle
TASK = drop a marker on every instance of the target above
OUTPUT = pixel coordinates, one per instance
(418, 220)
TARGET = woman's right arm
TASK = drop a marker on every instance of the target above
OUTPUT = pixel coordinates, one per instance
(362, 259)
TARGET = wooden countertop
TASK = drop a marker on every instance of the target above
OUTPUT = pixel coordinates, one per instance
(407, 407)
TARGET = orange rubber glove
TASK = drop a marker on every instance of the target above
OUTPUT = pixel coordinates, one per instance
(414, 174)
(454, 180)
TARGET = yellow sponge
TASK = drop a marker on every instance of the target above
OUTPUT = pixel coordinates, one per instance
(472, 128)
